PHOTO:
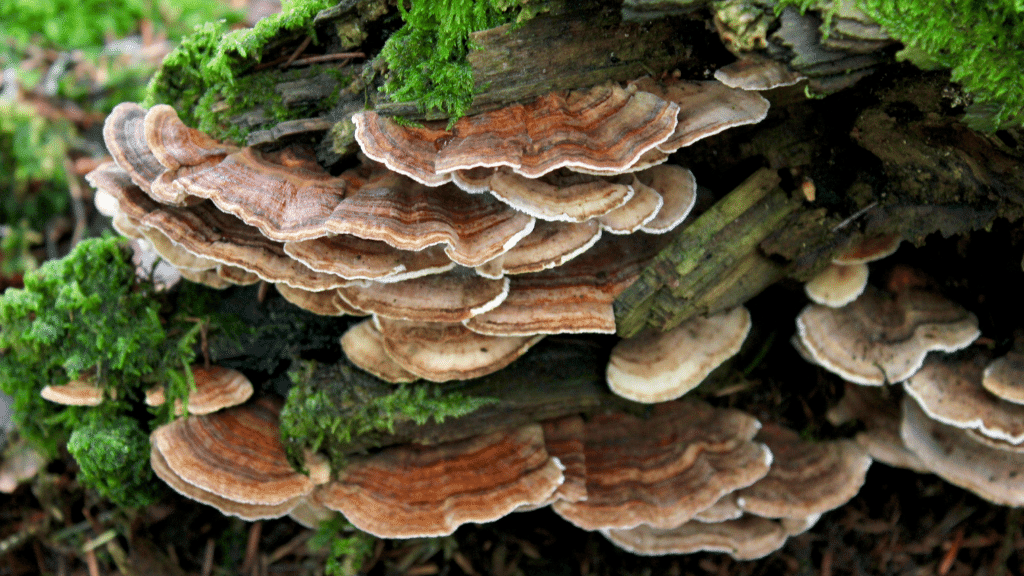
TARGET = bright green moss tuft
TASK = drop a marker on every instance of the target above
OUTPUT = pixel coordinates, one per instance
(427, 56)
(113, 455)
(83, 316)
(348, 548)
(205, 79)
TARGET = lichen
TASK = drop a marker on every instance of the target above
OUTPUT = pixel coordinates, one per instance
(427, 56)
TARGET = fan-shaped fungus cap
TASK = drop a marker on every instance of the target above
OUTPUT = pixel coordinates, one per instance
(1004, 377)
(744, 538)
(216, 388)
(573, 298)
(176, 145)
(124, 134)
(604, 128)
(449, 297)
(550, 245)
(359, 259)
(561, 195)
(439, 352)
(881, 418)
(837, 285)
(952, 393)
(563, 438)
(234, 454)
(658, 366)
(705, 108)
(645, 204)
(757, 73)
(869, 249)
(677, 188)
(74, 393)
(364, 347)
(806, 478)
(725, 509)
(875, 338)
(663, 470)
(285, 194)
(956, 456)
(411, 491)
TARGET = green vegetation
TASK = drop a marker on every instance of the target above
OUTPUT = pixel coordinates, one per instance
(347, 552)
(427, 56)
(114, 459)
(326, 412)
(85, 317)
(981, 43)
(205, 79)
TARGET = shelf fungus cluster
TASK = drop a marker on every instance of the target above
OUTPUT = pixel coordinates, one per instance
(960, 416)
(509, 226)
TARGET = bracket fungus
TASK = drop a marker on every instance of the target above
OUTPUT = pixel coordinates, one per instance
(216, 388)
(232, 460)
(412, 491)
(662, 471)
(659, 366)
(878, 338)
(847, 276)
(75, 393)
(1004, 377)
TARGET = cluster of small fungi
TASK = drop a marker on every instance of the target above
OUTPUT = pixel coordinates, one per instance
(466, 246)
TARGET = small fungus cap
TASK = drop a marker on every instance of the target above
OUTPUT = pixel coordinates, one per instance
(216, 388)
(658, 366)
(838, 284)
(1004, 377)
(876, 338)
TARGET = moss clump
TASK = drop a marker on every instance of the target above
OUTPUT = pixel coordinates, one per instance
(114, 459)
(327, 412)
(204, 77)
(348, 548)
(84, 316)
(427, 56)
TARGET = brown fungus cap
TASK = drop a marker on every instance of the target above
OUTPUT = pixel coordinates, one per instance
(235, 454)
(604, 128)
(549, 245)
(408, 215)
(705, 108)
(878, 338)
(745, 538)
(645, 204)
(953, 454)
(951, 392)
(663, 470)
(216, 388)
(359, 259)
(1004, 377)
(439, 352)
(125, 136)
(869, 248)
(658, 366)
(175, 145)
(677, 188)
(561, 195)
(806, 478)
(756, 73)
(323, 302)
(285, 194)
(877, 410)
(449, 297)
(363, 345)
(564, 439)
(413, 491)
(75, 393)
(838, 284)
(573, 298)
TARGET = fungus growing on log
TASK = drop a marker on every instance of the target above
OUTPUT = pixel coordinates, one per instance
(659, 366)
(878, 338)
(1004, 377)
(216, 388)
(413, 491)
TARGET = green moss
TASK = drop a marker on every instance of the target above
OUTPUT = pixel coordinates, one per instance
(206, 78)
(325, 415)
(83, 316)
(348, 548)
(427, 56)
(33, 184)
(114, 459)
